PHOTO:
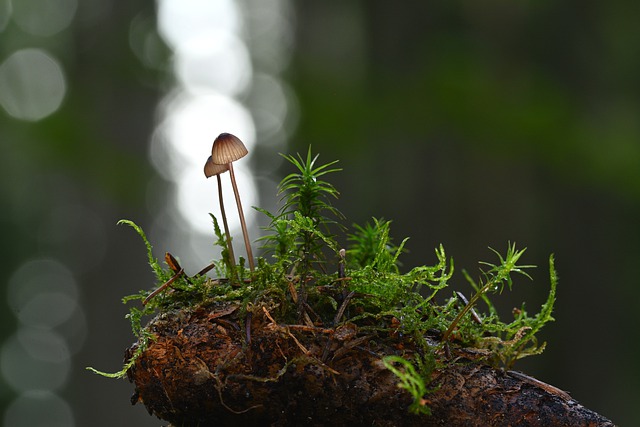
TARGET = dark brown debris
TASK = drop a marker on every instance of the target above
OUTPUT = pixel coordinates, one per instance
(201, 371)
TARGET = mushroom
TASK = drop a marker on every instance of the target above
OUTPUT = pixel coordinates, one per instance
(227, 149)
(211, 169)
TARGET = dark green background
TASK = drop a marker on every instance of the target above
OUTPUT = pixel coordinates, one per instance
(469, 124)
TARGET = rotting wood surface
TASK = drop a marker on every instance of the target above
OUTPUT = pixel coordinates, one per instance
(207, 367)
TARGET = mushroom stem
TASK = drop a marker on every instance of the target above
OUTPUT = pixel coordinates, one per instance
(243, 224)
(232, 257)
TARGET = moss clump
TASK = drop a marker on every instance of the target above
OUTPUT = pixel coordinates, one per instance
(342, 299)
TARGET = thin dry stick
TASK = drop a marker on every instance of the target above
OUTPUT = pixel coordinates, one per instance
(164, 286)
(336, 319)
(205, 270)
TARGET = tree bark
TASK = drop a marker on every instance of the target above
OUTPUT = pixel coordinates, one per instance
(212, 366)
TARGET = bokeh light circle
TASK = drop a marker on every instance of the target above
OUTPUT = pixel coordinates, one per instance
(32, 84)
(42, 277)
(52, 16)
(39, 409)
(34, 359)
(46, 310)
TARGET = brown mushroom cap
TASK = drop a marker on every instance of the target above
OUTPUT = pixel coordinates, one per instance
(212, 169)
(227, 148)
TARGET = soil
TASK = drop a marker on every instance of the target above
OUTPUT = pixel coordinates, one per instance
(213, 366)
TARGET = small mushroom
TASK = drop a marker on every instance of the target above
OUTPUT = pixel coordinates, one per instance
(211, 169)
(227, 149)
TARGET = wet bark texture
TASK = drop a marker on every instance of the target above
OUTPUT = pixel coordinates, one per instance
(209, 367)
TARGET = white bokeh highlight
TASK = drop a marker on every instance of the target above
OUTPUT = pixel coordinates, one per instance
(35, 359)
(38, 408)
(213, 70)
(52, 16)
(222, 84)
(32, 84)
(216, 61)
(182, 21)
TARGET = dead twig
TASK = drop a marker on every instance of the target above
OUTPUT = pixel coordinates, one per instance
(163, 287)
(336, 319)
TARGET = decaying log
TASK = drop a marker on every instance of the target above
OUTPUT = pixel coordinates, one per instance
(207, 367)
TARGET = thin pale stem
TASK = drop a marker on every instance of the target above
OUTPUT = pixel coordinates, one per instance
(232, 258)
(243, 224)
(469, 306)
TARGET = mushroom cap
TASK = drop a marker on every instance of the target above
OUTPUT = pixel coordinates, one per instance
(211, 169)
(227, 148)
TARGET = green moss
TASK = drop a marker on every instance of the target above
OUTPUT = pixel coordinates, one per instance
(303, 254)
(410, 380)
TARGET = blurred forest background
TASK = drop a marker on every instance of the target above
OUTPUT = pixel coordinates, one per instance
(467, 123)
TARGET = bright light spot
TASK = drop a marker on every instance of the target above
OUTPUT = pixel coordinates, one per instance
(182, 21)
(192, 123)
(46, 310)
(217, 90)
(197, 197)
(43, 346)
(32, 84)
(44, 17)
(35, 359)
(39, 409)
(189, 131)
(216, 61)
(43, 295)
